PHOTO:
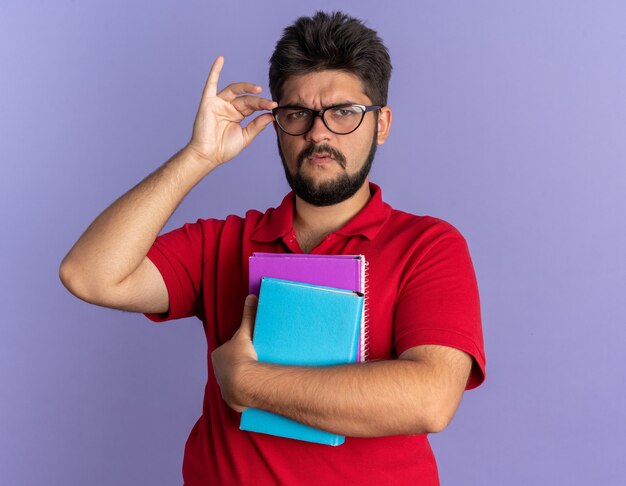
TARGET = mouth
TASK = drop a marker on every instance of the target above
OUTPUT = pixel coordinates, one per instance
(321, 158)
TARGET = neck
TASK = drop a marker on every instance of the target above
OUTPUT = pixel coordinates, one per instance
(312, 223)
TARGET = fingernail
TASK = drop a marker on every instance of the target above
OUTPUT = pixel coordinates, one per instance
(250, 299)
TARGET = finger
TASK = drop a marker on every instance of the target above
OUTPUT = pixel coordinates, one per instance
(210, 88)
(249, 314)
(255, 127)
(230, 92)
(246, 105)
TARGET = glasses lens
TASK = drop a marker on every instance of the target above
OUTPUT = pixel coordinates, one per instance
(344, 118)
(294, 120)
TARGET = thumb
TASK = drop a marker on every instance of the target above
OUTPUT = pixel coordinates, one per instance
(249, 315)
(255, 126)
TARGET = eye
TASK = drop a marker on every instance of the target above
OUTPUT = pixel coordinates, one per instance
(344, 112)
(298, 115)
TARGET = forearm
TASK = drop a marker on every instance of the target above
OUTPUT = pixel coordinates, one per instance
(119, 238)
(361, 400)
(417, 393)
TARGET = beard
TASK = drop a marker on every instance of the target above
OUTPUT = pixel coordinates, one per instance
(331, 192)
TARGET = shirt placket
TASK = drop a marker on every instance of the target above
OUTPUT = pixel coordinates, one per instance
(326, 245)
(291, 242)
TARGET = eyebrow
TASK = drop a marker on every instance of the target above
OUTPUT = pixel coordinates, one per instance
(301, 103)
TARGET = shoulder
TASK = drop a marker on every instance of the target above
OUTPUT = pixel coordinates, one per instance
(420, 242)
(420, 230)
(233, 227)
(252, 216)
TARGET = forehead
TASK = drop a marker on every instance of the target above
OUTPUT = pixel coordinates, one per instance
(323, 88)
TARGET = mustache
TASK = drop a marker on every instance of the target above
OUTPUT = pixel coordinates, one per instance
(322, 149)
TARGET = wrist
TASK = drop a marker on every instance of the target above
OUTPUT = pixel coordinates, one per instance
(197, 157)
(188, 167)
(252, 380)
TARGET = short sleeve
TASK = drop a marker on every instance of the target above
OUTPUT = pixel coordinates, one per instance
(178, 256)
(439, 303)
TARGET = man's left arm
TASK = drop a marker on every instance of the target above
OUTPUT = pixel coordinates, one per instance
(417, 393)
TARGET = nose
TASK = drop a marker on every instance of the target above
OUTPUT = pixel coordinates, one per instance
(318, 132)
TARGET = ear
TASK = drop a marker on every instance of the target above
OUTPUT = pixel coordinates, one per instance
(384, 124)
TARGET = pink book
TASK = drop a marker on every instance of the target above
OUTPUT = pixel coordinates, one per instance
(347, 272)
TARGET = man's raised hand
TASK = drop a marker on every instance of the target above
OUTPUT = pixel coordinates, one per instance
(217, 132)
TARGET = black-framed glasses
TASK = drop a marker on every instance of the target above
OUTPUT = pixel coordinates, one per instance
(340, 119)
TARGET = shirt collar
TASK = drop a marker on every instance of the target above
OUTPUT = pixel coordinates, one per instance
(278, 222)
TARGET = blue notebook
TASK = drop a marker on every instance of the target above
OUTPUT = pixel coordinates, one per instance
(306, 325)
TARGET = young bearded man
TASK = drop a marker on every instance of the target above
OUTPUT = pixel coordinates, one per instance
(328, 78)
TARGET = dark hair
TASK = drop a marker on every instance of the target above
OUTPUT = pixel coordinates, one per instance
(332, 41)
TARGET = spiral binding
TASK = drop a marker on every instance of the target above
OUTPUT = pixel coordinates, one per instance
(365, 323)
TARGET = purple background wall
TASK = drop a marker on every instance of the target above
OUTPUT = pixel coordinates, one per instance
(509, 122)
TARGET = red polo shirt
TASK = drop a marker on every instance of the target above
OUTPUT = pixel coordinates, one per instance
(422, 290)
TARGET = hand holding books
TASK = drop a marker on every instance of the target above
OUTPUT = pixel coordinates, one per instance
(229, 357)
